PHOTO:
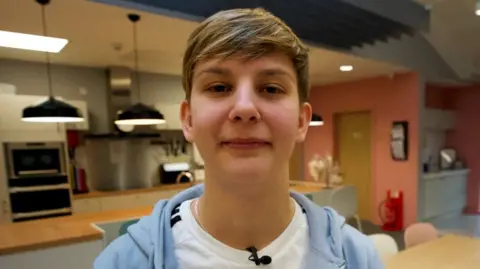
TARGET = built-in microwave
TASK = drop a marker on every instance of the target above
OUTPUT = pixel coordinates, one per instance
(37, 180)
(35, 158)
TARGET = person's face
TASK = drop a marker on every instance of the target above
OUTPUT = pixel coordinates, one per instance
(245, 116)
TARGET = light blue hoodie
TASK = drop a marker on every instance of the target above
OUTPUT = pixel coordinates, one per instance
(149, 243)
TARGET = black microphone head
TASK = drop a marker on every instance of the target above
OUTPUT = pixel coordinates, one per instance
(265, 260)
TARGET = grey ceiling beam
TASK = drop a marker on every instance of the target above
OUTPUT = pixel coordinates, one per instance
(406, 12)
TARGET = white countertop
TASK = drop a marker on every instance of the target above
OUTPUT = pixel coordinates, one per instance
(445, 173)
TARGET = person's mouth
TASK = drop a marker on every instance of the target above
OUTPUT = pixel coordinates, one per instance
(245, 143)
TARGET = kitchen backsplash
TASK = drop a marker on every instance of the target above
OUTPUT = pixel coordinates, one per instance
(122, 163)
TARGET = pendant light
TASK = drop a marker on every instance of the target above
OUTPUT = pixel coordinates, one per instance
(317, 120)
(138, 114)
(51, 110)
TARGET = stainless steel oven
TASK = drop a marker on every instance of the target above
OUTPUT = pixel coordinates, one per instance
(35, 158)
(37, 180)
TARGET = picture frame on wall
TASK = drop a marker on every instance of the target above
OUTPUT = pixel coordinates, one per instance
(399, 141)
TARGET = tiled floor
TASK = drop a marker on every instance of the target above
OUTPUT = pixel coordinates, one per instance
(370, 228)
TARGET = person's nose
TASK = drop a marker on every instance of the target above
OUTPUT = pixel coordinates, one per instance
(245, 105)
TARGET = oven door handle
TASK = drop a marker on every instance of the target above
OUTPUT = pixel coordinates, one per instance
(37, 172)
(40, 188)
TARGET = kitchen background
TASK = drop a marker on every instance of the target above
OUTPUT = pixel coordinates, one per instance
(100, 157)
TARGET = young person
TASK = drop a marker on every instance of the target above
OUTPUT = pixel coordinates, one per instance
(245, 75)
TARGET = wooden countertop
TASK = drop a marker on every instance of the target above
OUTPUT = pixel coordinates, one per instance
(96, 194)
(37, 234)
(297, 184)
(445, 173)
(450, 251)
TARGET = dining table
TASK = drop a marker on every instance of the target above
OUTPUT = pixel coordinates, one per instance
(446, 252)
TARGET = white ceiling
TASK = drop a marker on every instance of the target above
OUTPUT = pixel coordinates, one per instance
(455, 33)
(95, 29)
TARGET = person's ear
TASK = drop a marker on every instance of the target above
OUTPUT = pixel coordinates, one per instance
(305, 116)
(186, 119)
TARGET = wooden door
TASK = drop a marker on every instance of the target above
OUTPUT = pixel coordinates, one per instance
(296, 163)
(353, 151)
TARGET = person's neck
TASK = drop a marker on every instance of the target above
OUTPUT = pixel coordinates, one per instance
(241, 217)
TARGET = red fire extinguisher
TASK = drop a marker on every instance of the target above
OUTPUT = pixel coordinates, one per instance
(391, 211)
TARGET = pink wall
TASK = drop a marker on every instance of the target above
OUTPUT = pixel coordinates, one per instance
(388, 100)
(466, 140)
(439, 97)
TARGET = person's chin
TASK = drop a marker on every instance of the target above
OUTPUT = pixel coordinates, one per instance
(247, 168)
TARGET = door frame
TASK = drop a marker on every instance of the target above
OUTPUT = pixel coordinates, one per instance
(336, 149)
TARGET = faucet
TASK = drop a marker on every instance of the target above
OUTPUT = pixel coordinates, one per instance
(188, 175)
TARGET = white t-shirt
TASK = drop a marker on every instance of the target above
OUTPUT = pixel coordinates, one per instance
(195, 248)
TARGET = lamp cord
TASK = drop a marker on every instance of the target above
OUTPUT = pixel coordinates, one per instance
(137, 74)
(47, 55)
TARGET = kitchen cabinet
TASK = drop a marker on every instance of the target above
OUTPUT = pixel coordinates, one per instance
(5, 215)
(73, 256)
(171, 112)
(123, 201)
(444, 193)
(82, 106)
(86, 205)
(119, 202)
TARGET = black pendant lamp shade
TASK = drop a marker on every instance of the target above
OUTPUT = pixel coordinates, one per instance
(317, 120)
(138, 114)
(51, 110)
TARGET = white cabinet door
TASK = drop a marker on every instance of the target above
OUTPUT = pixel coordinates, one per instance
(434, 202)
(82, 106)
(11, 108)
(86, 205)
(171, 112)
(151, 198)
(119, 202)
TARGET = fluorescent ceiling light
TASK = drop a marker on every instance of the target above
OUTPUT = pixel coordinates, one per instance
(31, 42)
(346, 68)
(477, 12)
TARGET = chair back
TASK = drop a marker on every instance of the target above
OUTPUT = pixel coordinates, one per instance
(345, 201)
(419, 233)
(385, 245)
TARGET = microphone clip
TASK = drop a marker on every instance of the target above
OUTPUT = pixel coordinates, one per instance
(254, 257)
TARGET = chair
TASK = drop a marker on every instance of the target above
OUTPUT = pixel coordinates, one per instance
(385, 245)
(419, 233)
(125, 225)
(345, 201)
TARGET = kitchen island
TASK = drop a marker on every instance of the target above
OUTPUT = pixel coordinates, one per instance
(442, 195)
(74, 241)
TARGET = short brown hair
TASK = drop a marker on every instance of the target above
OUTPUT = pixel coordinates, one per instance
(249, 33)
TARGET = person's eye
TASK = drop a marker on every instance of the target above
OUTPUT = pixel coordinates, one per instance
(219, 88)
(272, 89)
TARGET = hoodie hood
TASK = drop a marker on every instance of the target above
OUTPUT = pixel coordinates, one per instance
(153, 234)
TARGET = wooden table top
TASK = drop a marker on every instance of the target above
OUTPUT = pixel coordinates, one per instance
(448, 252)
(37, 234)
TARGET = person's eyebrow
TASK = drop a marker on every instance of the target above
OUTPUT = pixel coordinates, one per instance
(276, 72)
(214, 70)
